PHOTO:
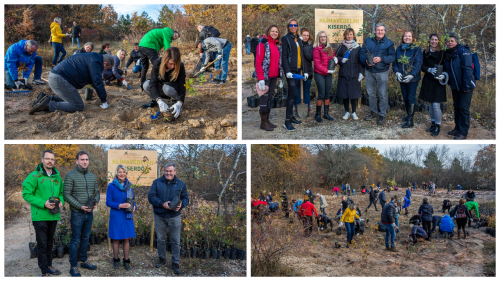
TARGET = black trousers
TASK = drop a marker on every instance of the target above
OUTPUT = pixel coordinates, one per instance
(461, 106)
(427, 226)
(461, 223)
(354, 105)
(44, 231)
(265, 100)
(147, 54)
(292, 95)
(374, 204)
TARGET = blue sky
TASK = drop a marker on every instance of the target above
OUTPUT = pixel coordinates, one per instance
(124, 9)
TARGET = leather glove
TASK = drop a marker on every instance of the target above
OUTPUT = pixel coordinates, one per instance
(408, 79)
(399, 76)
(219, 57)
(281, 84)
(440, 77)
(125, 69)
(330, 71)
(431, 71)
(176, 109)
(336, 60)
(344, 60)
(125, 83)
(104, 105)
(262, 85)
(19, 83)
(306, 76)
(289, 75)
(360, 77)
(163, 106)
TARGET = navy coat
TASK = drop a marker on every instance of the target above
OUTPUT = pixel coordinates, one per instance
(119, 226)
(383, 48)
(459, 69)
(162, 191)
(388, 213)
(416, 59)
(426, 211)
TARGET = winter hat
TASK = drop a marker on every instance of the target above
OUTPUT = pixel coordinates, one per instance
(426, 200)
(317, 194)
(396, 198)
(248, 35)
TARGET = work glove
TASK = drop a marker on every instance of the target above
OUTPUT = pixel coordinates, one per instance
(408, 79)
(336, 60)
(138, 62)
(124, 83)
(440, 77)
(306, 76)
(219, 57)
(340, 224)
(289, 75)
(104, 105)
(176, 109)
(163, 106)
(399, 76)
(125, 69)
(202, 69)
(20, 83)
(68, 34)
(281, 84)
(344, 60)
(431, 70)
(360, 77)
(262, 85)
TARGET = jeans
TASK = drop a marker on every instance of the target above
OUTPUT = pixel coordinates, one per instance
(292, 95)
(77, 41)
(174, 228)
(147, 54)
(165, 92)
(337, 193)
(382, 203)
(307, 93)
(247, 49)
(373, 81)
(44, 231)
(374, 204)
(58, 50)
(265, 99)
(322, 210)
(348, 192)
(350, 230)
(396, 219)
(81, 225)
(137, 68)
(461, 106)
(223, 63)
(389, 231)
(68, 99)
(409, 92)
(324, 85)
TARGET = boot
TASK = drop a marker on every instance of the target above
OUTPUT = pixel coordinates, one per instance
(326, 115)
(432, 127)
(175, 268)
(116, 263)
(295, 121)
(407, 107)
(126, 264)
(411, 113)
(42, 105)
(436, 130)
(263, 121)
(162, 262)
(393, 249)
(317, 116)
(288, 125)
(269, 122)
(296, 113)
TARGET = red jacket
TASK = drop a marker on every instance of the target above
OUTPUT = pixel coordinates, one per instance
(321, 59)
(258, 202)
(306, 209)
(274, 60)
(335, 189)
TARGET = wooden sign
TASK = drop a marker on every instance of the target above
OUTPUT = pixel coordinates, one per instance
(334, 22)
(141, 165)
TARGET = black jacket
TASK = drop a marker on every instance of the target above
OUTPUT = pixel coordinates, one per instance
(76, 30)
(207, 32)
(470, 196)
(290, 55)
(253, 45)
(157, 82)
(348, 86)
(467, 212)
(308, 55)
(426, 211)
(432, 90)
(162, 191)
(388, 213)
(134, 57)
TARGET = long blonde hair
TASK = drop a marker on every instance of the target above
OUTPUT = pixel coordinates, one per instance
(171, 53)
(317, 43)
(119, 52)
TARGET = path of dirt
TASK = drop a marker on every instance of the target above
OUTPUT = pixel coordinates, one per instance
(212, 114)
(342, 129)
(440, 257)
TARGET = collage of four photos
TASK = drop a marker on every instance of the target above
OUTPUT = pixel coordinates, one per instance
(249, 140)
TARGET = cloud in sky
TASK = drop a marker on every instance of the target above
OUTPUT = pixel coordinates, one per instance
(124, 9)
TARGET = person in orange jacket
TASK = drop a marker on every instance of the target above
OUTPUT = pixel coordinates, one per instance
(306, 212)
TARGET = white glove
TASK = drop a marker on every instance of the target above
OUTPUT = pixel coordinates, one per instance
(408, 79)
(138, 62)
(262, 85)
(306, 76)
(125, 69)
(340, 224)
(68, 34)
(219, 57)
(163, 105)
(125, 83)
(19, 83)
(344, 60)
(25, 81)
(104, 105)
(431, 71)
(289, 75)
(336, 60)
(281, 84)
(360, 77)
(399, 76)
(330, 71)
(201, 55)
(202, 69)
(440, 77)
(176, 109)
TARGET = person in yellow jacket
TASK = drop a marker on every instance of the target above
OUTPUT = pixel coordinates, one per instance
(348, 219)
(56, 39)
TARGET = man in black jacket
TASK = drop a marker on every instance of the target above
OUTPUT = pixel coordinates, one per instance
(168, 195)
(373, 199)
(382, 198)
(135, 58)
(76, 31)
(253, 49)
(470, 195)
(389, 222)
(68, 77)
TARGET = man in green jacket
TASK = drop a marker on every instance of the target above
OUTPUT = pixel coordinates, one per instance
(40, 189)
(151, 43)
(82, 194)
(473, 205)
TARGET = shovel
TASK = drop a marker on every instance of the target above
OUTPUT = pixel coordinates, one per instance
(196, 74)
(302, 107)
(128, 86)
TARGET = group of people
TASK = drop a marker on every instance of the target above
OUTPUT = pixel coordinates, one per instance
(298, 55)
(46, 192)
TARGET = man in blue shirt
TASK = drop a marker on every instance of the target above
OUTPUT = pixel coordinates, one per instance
(22, 55)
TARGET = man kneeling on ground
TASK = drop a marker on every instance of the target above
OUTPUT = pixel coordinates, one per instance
(323, 222)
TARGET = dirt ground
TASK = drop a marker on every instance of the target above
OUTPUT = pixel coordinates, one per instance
(209, 114)
(367, 255)
(343, 129)
(17, 260)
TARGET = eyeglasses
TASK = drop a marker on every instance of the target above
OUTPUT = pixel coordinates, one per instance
(292, 25)
(48, 159)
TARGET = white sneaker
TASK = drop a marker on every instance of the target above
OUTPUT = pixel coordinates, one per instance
(38, 82)
(346, 116)
(354, 116)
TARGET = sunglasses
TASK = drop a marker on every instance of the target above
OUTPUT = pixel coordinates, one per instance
(293, 25)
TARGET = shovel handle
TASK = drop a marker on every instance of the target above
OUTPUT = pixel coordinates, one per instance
(208, 66)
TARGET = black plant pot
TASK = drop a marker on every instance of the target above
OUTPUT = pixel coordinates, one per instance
(391, 103)
(234, 254)
(206, 254)
(340, 100)
(132, 242)
(191, 253)
(143, 241)
(92, 239)
(227, 253)
(60, 251)
(88, 247)
(66, 249)
(331, 64)
(279, 101)
(33, 249)
(439, 70)
(104, 236)
(369, 58)
(89, 93)
(241, 254)
(213, 253)
(98, 240)
(183, 252)
(155, 243)
(219, 253)
(196, 252)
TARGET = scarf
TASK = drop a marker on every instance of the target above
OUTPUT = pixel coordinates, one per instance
(122, 187)
(405, 47)
(451, 52)
(350, 44)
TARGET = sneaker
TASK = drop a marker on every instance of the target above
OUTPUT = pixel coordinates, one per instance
(346, 116)
(175, 267)
(53, 271)
(38, 82)
(288, 126)
(75, 272)
(354, 116)
(87, 265)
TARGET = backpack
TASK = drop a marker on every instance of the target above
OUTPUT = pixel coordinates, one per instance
(461, 212)
(476, 67)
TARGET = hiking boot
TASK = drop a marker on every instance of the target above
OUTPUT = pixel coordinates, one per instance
(295, 121)
(87, 265)
(453, 132)
(436, 130)
(75, 272)
(126, 264)
(380, 120)
(387, 248)
(460, 137)
(371, 116)
(354, 116)
(263, 121)
(42, 105)
(346, 116)
(38, 98)
(326, 115)
(152, 103)
(175, 267)
(116, 263)
(411, 113)
(393, 249)
(288, 125)
(53, 271)
(296, 113)
(433, 124)
(38, 82)
(162, 262)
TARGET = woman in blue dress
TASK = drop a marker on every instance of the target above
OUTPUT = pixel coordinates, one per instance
(121, 223)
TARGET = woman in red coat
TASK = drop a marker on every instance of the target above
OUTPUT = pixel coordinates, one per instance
(322, 75)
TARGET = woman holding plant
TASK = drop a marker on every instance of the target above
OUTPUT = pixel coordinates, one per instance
(350, 73)
(322, 55)
(308, 42)
(120, 198)
(407, 68)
